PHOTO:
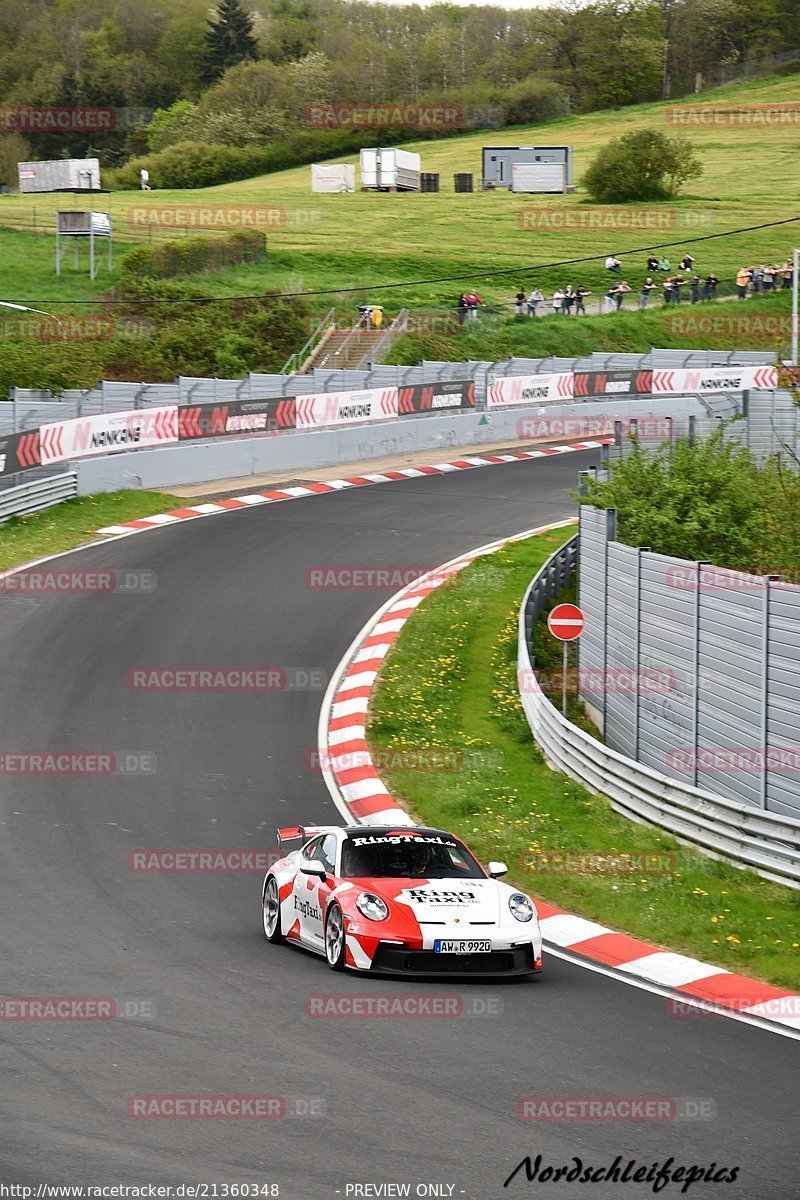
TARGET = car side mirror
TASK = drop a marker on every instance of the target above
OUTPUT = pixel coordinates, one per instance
(496, 869)
(314, 867)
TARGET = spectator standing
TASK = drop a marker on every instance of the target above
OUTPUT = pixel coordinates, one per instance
(644, 294)
(461, 308)
(743, 277)
(610, 298)
(568, 300)
(534, 300)
(558, 301)
(694, 288)
(770, 275)
(787, 271)
(677, 283)
(757, 278)
(144, 180)
(622, 290)
(710, 286)
(613, 263)
(666, 287)
(473, 302)
(580, 295)
(519, 301)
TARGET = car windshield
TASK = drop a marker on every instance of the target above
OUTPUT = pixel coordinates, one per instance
(408, 856)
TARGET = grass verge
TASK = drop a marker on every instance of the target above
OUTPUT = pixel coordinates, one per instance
(75, 522)
(435, 691)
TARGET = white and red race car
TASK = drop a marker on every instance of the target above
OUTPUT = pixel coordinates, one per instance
(410, 901)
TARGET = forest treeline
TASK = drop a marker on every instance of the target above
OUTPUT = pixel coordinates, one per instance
(503, 67)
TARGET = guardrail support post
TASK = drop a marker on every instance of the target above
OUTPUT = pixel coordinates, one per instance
(696, 697)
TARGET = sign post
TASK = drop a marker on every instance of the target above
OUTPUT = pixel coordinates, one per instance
(565, 622)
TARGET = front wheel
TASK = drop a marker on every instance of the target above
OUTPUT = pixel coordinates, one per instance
(334, 938)
(271, 911)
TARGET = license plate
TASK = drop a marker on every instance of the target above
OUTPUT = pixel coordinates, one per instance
(440, 946)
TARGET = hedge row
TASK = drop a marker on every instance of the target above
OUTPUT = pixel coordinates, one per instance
(193, 255)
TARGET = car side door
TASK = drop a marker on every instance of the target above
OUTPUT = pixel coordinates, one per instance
(310, 893)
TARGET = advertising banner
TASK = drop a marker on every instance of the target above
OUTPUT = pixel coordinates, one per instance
(613, 383)
(235, 417)
(345, 408)
(436, 397)
(531, 389)
(105, 432)
(19, 451)
(714, 379)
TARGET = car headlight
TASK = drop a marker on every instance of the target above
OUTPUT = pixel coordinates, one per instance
(372, 907)
(521, 907)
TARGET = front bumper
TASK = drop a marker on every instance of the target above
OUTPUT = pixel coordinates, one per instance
(404, 960)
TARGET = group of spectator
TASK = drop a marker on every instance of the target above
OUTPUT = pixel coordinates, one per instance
(752, 281)
(468, 305)
(686, 284)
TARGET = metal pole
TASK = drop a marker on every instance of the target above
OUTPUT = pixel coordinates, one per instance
(795, 257)
(564, 680)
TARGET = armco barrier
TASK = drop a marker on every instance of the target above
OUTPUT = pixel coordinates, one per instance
(745, 835)
(37, 495)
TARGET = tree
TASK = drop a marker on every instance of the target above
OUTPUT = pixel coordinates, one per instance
(642, 165)
(229, 39)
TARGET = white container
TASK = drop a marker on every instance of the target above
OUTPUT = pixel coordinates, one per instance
(64, 174)
(538, 177)
(386, 167)
(333, 177)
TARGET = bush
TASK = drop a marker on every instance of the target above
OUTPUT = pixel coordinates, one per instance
(642, 165)
(711, 502)
(193, 255)
(532, 100)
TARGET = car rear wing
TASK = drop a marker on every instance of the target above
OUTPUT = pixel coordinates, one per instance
(296, 833)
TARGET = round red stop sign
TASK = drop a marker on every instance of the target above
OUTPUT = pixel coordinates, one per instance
(566, 622)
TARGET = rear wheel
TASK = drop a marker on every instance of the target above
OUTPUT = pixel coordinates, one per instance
(271, 911)
(334, 938)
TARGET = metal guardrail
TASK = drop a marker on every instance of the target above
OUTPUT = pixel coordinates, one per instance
(37, 494)
(295, 361)
(720, 828)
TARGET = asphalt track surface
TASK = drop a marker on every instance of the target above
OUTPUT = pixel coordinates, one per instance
(410, 1101)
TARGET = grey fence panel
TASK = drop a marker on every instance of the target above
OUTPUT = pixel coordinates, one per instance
(717, 663)
(732, 644)
(667, 644)
(783, 697)
(765, 841)
(592, 541)
(622, 665)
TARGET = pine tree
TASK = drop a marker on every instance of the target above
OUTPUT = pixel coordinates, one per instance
(229, 39)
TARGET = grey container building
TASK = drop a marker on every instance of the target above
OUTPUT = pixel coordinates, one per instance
(551, 167)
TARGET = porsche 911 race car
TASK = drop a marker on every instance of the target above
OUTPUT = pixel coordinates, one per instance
(408, 901)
